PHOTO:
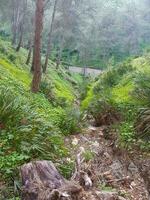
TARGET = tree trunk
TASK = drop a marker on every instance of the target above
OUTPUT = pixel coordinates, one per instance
(14, 21)
(29, 53)
(49, 38)
(42, 181)
(20, 39)
(16, 18)
(37, 46)
(22, 25)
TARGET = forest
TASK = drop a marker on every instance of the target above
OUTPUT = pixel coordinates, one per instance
(74, 100)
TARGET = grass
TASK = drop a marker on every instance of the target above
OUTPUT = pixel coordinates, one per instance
(126, 89)
(39, 125)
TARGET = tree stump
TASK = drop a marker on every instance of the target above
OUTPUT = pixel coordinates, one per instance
(42, 181)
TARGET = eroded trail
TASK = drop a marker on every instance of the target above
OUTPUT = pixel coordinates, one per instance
(114, 174)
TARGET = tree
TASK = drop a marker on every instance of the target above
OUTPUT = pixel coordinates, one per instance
(21, 26)
(16, 15)
(50, 36)
(37, 46)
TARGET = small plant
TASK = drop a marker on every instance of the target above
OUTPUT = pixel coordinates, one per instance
(142, 124)
(142, 88)
(106, 188)
(12, 57)
(126, 134)
(71, 121)
(47, 89)
(103, 111)
(88, 155)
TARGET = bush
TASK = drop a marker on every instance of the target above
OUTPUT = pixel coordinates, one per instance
(47, 89)
(126, 134)
(103, 111)
(12, 57)
(70, 121)
(10, 108)
(142, 88)
(112, 77)
(142, 94)
(25, 134)
(142, 124)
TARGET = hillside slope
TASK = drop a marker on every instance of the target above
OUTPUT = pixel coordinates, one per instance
(122, 94)
(32, 126)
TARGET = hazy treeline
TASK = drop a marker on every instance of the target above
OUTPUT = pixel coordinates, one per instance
(85, 32)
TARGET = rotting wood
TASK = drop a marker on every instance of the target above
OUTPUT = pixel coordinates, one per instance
(42, 181)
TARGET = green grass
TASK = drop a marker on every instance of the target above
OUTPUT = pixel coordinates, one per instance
(126, 89)
(37, 129)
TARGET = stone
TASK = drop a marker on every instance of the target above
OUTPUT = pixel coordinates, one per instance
(104, 195)
(75, 142)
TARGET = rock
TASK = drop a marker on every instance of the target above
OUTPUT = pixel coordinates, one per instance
(107, 195)
(133, 168)
(117, 169)
(133, 184)
(75, 142)
(92, 128)
(101, 134)
(121, 198)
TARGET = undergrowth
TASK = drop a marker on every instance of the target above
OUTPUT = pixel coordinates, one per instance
(122, 95)
(33, 126)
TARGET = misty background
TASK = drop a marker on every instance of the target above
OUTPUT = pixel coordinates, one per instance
(95, 33)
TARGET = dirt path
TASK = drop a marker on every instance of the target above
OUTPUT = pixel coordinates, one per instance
(113, 173)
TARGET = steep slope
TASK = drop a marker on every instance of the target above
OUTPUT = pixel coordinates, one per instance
(32, 126)
(121, 94)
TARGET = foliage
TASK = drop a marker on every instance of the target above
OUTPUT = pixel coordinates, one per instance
(142, 124)
(32, 126)
(88, 155)
(103, 111)
(142, 87)
(122, 94)
(70, 121)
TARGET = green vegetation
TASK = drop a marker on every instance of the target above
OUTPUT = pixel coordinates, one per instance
(32, 126)
(122, 94)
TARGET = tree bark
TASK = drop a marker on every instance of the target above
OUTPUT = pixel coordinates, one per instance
(22, 25)
(29, 53)
(20, 39)
(49, 37)
(37, 46)
(42, 181)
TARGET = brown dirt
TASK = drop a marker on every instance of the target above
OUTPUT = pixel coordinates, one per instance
(115, 173)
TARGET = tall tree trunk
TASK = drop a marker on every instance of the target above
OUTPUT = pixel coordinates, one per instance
(14, 23)
(16, 16)
(22, 25)
(49, 38)
(29, 53)
(20, 39)
(58, 59)
(37, 46)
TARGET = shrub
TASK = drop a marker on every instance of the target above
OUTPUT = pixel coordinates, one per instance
(142, 87)
(25, 133)
(142, 94)
(142, 124)
(70, 121)
(12, 57)
(10, 110)
(47, 89)
(126, 134)
(103, 111)
(112, 77)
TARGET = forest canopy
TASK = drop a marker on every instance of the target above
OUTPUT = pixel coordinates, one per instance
(94, 33)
